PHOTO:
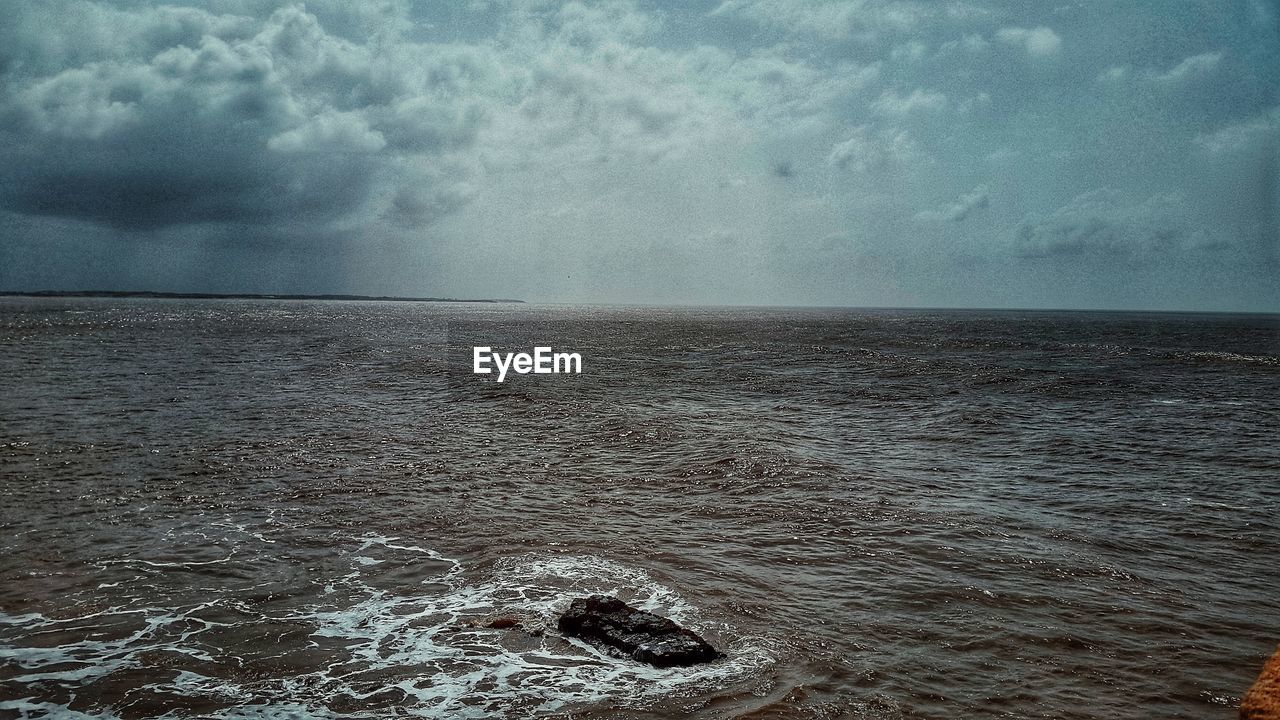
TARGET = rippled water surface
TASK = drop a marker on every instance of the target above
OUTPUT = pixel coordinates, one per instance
(240, 509)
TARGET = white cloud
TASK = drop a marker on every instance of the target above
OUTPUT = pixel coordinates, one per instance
(1104, 223)
(577, 23)
(865, 20)
(919, 101)
(972, 43)
(1115, 73)
(766, 86)
(330, 132)
(962, 208)
(555, 86)
(909, 52)
(1038, 42)
(868, 150)
(1194, 67)
(1253, 137)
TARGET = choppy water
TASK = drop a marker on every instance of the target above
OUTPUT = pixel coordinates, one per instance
(241, 509)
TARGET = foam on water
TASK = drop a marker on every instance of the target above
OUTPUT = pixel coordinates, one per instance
(33, 709)
(923, 513)
(427, 653)
(479, 671)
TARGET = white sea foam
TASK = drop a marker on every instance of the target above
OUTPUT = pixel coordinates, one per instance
(479, 671)
(431, 647)
(28, 708)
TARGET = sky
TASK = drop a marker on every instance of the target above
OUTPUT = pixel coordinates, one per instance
(966, 153)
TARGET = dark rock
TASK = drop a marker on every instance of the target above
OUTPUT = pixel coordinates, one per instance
(505, 622)
(641, 635)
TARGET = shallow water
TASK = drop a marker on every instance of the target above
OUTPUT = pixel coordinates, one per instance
(247, 509)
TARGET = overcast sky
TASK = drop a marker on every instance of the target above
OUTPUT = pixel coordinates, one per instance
(983, 154)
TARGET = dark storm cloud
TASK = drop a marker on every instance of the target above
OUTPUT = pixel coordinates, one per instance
(188, 117)
(572, 150)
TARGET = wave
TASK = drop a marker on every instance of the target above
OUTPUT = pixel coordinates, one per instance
(426, 654)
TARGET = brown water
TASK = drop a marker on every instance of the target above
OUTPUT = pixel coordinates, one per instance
(288, 509)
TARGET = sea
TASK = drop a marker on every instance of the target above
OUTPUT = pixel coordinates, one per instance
(313, 509)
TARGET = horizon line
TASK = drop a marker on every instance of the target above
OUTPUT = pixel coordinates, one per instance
(353, 297)
(167, 295)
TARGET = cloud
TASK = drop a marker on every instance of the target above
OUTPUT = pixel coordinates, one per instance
(1254, 137)
(869, 150)
(190, 117)
(485, 146)
(330, 132)
(1195, 68)
(1192, 68)
(864, 20)
(909, 52)
(919, 101)
(590, 97)
(1102, 223)
(767, 87)
(271, 120)
(592, 24)
(1115, 73)
(971, 43)
(963, 207)
(1039, 42)
(141, 118)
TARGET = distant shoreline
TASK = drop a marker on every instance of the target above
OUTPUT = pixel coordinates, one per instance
(236, 296)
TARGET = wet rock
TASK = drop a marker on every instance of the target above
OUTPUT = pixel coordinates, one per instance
(640, 635)
(506, 622)
(1262, 702)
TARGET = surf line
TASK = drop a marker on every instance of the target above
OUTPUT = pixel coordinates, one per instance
(543, 361)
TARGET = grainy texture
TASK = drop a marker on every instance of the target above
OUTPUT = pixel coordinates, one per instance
(893, 515)
(1262, 702)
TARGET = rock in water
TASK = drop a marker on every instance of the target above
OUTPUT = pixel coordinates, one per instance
(644, 636)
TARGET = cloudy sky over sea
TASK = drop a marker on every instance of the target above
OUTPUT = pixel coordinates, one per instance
(985, 153)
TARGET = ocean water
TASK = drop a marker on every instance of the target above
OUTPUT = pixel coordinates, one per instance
(258, 509)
